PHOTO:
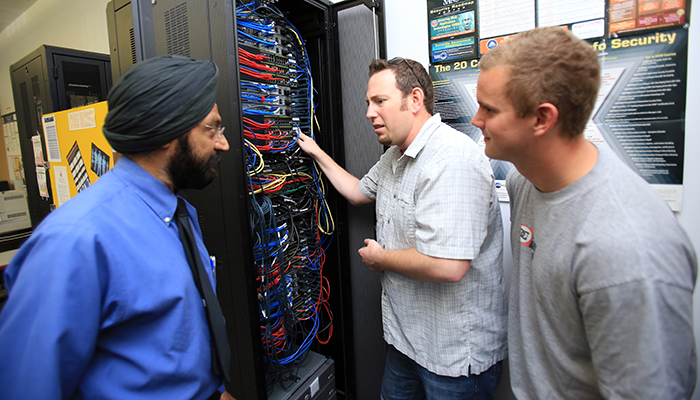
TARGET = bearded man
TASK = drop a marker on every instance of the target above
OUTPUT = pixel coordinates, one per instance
(103, 302)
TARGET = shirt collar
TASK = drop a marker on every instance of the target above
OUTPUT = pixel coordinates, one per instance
(153, 192)
(423, 135)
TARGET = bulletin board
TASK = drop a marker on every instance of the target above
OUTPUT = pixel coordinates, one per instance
(77, 151)
(643, 51)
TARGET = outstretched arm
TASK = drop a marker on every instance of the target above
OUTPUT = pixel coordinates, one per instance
(344, 182)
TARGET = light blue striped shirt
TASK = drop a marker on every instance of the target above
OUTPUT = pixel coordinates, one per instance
(439, 197)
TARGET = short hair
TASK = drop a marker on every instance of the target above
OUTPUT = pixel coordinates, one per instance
(409, 74)
(549, 65)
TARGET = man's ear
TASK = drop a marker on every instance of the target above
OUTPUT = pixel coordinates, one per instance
(416, 98)
(547, 115)
(167, 149)
(171, 144)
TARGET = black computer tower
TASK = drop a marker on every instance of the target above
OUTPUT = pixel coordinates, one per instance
(341, 40)
(47, 80)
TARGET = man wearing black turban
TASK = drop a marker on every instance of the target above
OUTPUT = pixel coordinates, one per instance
(102, 301)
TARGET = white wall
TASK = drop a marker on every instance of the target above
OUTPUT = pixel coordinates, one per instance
(407, 36)
(74, 24)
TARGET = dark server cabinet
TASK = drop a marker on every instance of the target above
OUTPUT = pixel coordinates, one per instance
(122, 44)
(341, 39)
(47, 80)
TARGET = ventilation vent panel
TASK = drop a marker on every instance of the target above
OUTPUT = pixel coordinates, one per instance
(25, 106)
(177, 31)
(132, 43)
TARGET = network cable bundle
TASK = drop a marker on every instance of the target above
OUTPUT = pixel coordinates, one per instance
(291, 223)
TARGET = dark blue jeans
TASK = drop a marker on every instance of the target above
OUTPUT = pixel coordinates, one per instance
(404, 379)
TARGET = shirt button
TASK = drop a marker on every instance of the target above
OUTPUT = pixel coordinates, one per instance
(394, 195)
(167, 219)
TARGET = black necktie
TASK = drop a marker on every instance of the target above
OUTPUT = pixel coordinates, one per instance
(220, 352)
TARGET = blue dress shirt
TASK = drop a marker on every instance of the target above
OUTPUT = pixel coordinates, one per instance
(102, 303)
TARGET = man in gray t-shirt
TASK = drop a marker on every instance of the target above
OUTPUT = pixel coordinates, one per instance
(603, 277)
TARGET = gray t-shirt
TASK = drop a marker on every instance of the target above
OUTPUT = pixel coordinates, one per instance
(601, 291)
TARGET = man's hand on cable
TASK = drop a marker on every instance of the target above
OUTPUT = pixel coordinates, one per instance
(308, 145)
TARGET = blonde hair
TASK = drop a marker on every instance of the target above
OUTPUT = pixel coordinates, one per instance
(549, 65)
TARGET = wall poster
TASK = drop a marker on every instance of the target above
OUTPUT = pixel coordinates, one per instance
(81, 150)
(637, 15)
(640, 111)
(10, 130)
(452, 30)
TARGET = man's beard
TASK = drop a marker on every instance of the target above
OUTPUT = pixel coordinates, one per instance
(187, 171)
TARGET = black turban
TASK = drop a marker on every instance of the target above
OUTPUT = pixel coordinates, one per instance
(158, 100)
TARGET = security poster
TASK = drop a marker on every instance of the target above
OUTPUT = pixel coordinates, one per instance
(452, 30)
(640, 110)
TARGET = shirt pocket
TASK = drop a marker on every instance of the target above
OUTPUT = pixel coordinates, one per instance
(395, 223)
(404, 221)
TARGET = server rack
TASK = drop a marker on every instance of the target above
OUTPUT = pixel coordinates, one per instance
(123, 46)
(341, 40)
(47, 80)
